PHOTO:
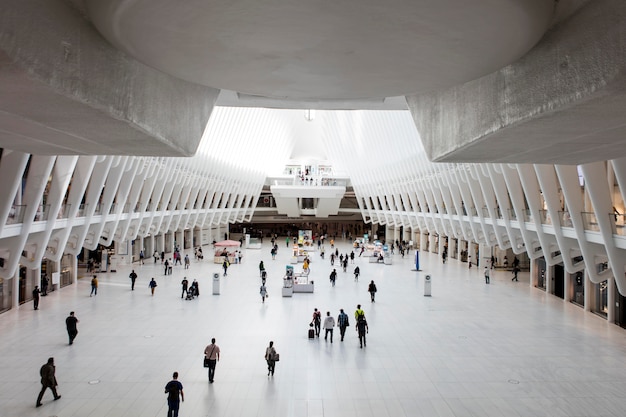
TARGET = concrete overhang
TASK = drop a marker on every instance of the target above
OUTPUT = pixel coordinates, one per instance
(562, 103)
(65, 90)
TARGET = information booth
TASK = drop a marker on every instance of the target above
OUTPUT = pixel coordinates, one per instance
(295, 282)
(226, 249)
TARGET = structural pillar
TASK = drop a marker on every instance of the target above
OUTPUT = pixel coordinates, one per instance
(611, 288)
(567, 287)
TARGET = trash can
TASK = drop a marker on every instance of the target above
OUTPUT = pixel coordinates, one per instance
(427, 286)
(216, 284)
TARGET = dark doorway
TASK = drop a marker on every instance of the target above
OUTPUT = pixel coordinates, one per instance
(559, 281)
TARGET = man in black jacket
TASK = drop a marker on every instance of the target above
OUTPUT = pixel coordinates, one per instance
(48, 380)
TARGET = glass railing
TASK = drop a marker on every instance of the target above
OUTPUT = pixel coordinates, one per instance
(43, 210)
(64, 211)
(512, 215)
(590, 221)
(544, 217)
(565, 219)
(618, 222)
(16, 214)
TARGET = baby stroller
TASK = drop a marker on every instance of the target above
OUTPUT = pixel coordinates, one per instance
(191, 293)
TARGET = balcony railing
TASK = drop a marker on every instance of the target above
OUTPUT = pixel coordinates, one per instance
(16, 214)
(565, 219)
(544, 217)
(590, 221)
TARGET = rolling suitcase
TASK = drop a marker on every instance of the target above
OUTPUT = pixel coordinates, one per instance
(311, 331)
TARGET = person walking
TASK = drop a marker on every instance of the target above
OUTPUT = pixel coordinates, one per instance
(94, 286)
(261, 268)
(48, 380)
(352, 257)
(71, 324)
(167, 266)
(152, 284)
(357, 272)
(186, 261)
(486, 274)
(271, 357)
(141, 256)
(362, 329)
(317, 321)
(196, 288)
(342, 322)
(155, 255)
(515, 272)
(263, 292)
(225, 265)
(36, 297)
(329, 324)
(333, 277)
(44, 285)
(372, 290)
(162, 256)
(133, 278)
(185, 285)
(358, 313)
(212, 354)
(174, 391)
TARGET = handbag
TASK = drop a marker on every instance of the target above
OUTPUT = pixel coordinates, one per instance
(276, 357)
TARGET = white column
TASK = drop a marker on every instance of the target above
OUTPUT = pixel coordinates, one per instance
(548, 278)
(74, 269)
(406, 233)
(611, 300)
(533, 274)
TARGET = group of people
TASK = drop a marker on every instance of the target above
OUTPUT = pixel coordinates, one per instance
(343, 259)
(342, 322)
(190, 291)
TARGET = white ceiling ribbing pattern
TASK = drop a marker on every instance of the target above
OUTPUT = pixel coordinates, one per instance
(381, 151)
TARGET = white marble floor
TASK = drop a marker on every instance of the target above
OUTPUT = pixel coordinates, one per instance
(471, 349)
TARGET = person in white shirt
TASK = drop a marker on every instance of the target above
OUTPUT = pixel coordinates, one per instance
(329, 324)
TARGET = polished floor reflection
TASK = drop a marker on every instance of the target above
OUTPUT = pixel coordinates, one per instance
(471, 349)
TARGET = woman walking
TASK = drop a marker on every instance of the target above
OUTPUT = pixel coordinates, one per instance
(372, 290)
(271, 357)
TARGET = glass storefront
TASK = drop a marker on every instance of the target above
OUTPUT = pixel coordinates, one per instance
(578, 292)
(5, 294)
(601, 296)
(541, 273)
